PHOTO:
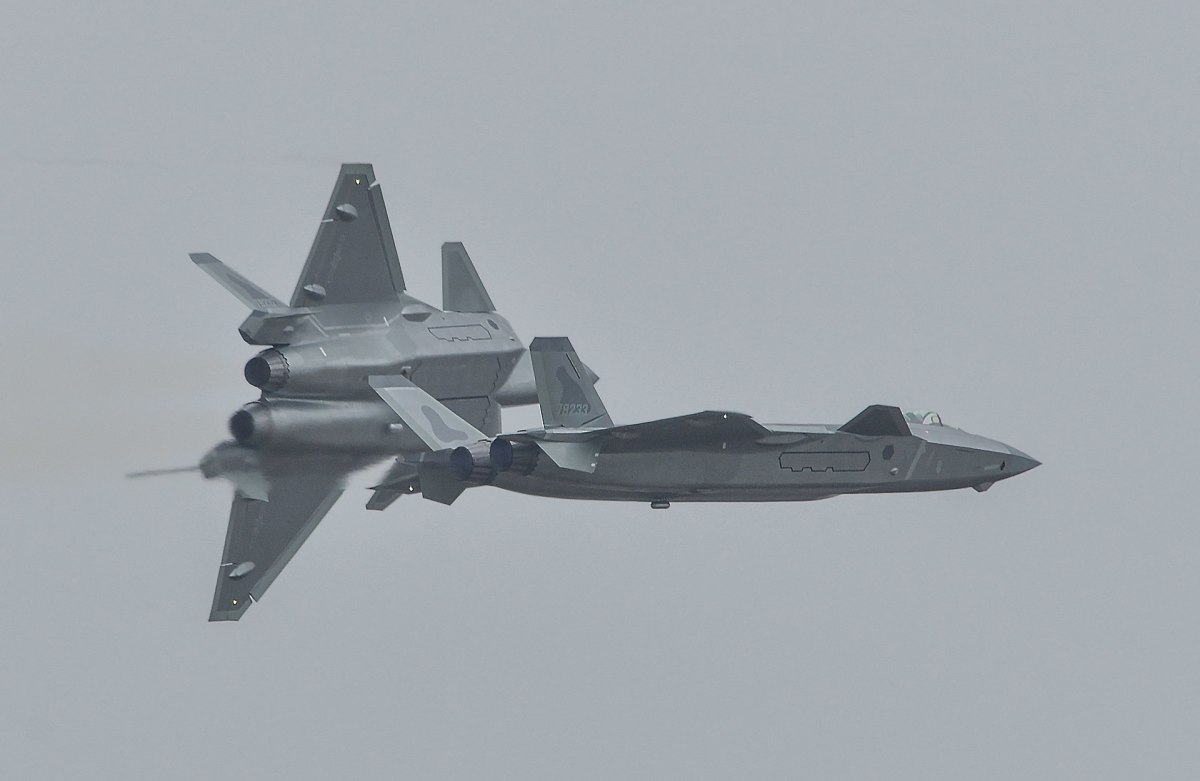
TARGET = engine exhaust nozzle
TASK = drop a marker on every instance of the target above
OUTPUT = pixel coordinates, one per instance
(520, 457)
(473, 463)
(251, 424)
(267, 371)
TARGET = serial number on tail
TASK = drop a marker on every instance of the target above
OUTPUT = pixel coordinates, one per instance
(574, 409)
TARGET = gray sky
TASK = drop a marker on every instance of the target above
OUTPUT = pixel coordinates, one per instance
(988, 209)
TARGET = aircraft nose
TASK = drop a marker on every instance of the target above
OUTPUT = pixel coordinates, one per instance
(1021, 462)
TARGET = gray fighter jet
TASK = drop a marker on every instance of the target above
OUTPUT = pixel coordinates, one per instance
(705, 457)
(317, 419)
(357, 371)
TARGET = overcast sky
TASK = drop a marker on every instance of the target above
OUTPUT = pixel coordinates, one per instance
(989, 209)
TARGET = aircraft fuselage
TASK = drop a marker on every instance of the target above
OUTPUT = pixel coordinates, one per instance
(315, 394)
(793, 463)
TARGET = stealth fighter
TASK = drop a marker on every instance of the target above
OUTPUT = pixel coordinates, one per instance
(318, 419)
(709, 456)
(356, 371)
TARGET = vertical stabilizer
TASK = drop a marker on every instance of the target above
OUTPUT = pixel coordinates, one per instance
(565, 388)
(462, 290)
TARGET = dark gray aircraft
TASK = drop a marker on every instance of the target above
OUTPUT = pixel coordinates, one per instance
(318, 419)
(357, 371)
(704, 457)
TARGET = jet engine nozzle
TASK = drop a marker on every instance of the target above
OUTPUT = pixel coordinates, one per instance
(520, 457)
(251, 425)
(473, 463)
(268, 370)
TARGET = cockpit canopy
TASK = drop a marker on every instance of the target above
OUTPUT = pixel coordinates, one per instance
(923, 417)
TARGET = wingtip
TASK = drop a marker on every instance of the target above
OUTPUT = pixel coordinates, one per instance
(227, 606)
(359, 169)
(228, 615)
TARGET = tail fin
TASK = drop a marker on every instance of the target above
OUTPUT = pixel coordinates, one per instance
(565, 387)
(462, 290)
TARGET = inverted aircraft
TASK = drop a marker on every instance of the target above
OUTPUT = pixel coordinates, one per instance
(317, 419)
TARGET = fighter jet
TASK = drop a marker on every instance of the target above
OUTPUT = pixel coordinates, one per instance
(709, 456)
(357, 371)
(318, 419)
